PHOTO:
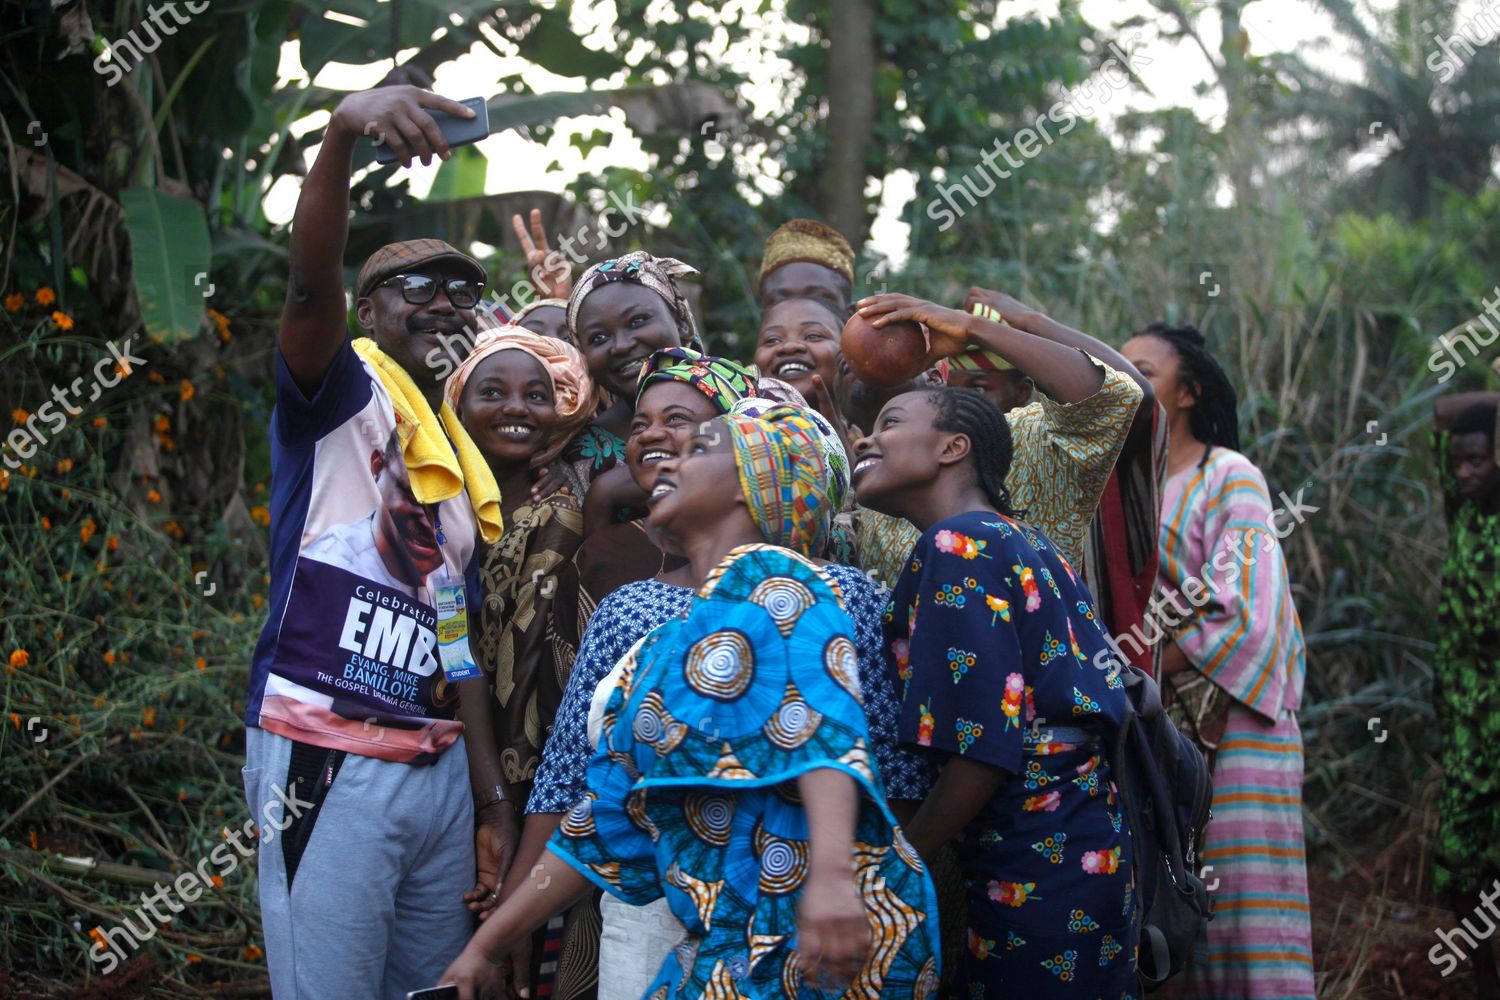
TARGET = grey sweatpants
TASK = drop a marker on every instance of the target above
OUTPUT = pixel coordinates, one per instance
(376, 906)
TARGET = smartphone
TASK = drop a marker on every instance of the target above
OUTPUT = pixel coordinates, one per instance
(449, 992)
(458, 131)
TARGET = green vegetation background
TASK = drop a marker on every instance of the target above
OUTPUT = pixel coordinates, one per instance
(1345, 224)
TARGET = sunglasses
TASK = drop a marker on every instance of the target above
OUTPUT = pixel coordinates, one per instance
(420, 289)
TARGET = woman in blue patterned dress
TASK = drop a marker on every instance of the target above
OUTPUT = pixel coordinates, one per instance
(733, 774)
(999, 651)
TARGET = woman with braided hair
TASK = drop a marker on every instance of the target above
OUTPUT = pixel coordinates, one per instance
(995, 640)
(1233, 664)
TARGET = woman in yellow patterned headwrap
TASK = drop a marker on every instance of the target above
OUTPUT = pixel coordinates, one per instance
(732, 772)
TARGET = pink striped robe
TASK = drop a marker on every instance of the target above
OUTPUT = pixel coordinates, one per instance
(1247, 639)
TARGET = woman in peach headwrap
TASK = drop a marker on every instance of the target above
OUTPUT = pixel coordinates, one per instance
(522, 397)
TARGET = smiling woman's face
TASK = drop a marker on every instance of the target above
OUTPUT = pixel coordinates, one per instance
(619, 326)
(699, 486)
(508, 406)
(899, 460)
(799, 338)
(668, 414)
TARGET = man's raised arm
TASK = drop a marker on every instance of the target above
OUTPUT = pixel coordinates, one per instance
(312, 321)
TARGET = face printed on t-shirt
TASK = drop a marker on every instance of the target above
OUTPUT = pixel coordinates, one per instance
(405, 535)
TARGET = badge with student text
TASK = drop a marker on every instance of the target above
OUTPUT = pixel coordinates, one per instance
(453, 635)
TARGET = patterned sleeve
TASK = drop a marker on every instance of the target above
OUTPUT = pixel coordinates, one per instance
(1071, 449)
(907, 775)
(561, 778)
(767, 687)
(1244, 634)
(961, 655)
(606, 835)
(757, 685)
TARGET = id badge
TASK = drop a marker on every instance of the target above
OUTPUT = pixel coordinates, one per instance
(453, 634)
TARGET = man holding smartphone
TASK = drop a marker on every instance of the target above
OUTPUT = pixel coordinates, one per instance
(377, 497)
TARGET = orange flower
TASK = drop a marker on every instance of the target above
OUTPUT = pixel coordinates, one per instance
(162, 424)
(155, 377)
(62, 320)
(185, 390)
(260, 516)
(109, 658)
(45, 296)
(99, 701)
(14, 301)
(34, 845)
(100, 422)
(86, 529)
(15, 719)
(64, 466)
(153, 496)
(148, 717)
(19, 658)
(66, 494)
(217, 881)
(201, 663)
(251, 952)
(18, 415)
(194, 959)
(181, 792)
(113, 543)
(46, 524)
(4, 479)
(219, 320)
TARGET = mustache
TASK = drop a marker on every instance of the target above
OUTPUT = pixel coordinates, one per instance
(446, 326)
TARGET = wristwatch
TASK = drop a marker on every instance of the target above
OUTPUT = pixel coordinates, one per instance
(490, 797)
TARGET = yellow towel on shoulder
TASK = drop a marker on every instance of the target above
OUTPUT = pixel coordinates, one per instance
(436, 474)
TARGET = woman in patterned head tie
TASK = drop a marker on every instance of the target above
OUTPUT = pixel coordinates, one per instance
(732, 772)
(620, 312)
(1008, 687)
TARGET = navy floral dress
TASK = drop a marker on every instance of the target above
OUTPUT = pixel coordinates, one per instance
(1001, 658)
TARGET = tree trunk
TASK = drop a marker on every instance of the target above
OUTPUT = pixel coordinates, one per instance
(851, 116)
